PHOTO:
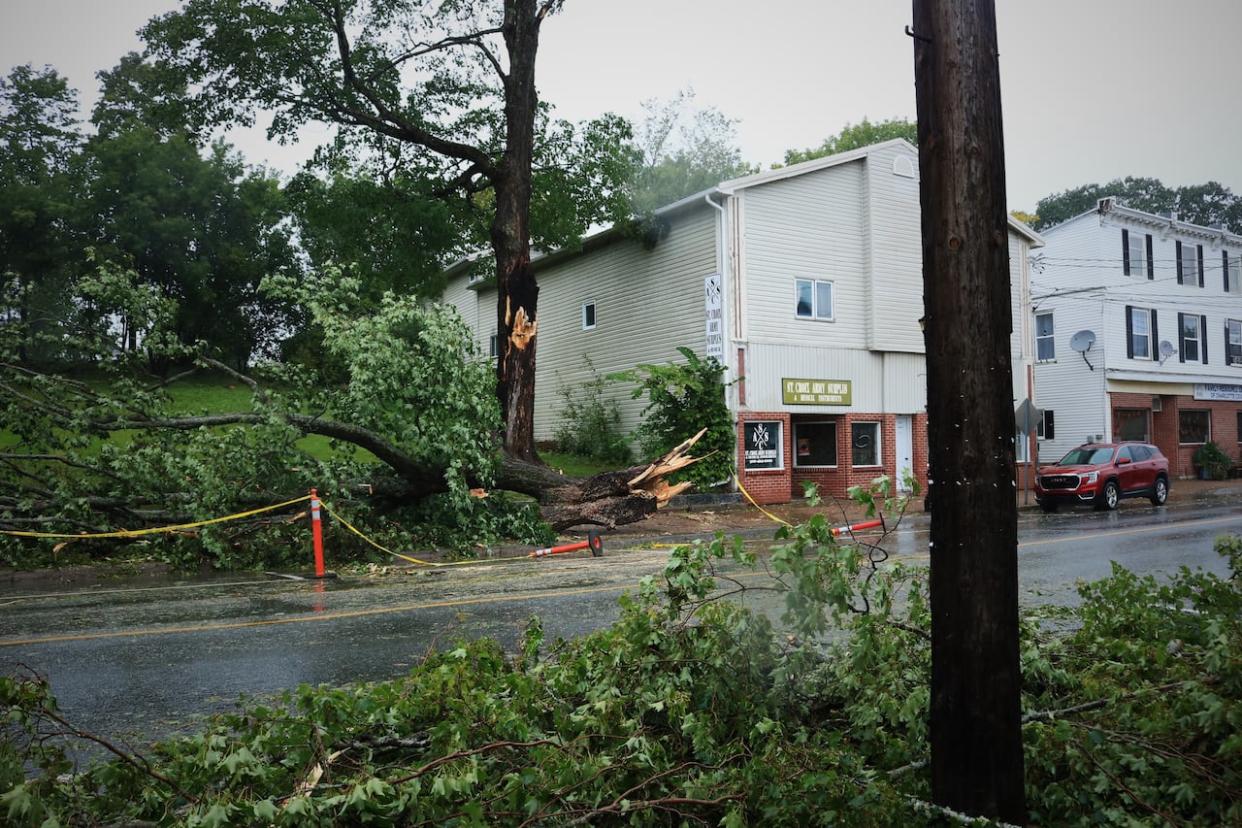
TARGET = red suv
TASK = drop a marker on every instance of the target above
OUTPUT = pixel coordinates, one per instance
(1102, 474)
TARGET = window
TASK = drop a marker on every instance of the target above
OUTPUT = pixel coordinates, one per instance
(1124, 451)
(1046, 428)
(1139, 330)
(813, 299)
(1194, 427)
(815, 444)
(762, 440)
(1189, 333)
(1045, 343)
(588, 316)
(1140, 453)
(1132, 253)
(1233, 341)
(493, 345)
(1226, 270)
(1188, 270)
(865, 444)
(1240, 426)
(1130, 424)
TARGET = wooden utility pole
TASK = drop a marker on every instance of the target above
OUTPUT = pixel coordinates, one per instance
(976, 738)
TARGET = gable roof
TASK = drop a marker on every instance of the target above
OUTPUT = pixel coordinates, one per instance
(540, 259)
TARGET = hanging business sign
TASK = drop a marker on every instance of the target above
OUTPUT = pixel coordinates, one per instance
(763, 448)
(1216, 391)
(816, 392)
(713, 308)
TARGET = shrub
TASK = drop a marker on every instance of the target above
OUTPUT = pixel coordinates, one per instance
(1213, 459)
(590, 423)
(684, 398)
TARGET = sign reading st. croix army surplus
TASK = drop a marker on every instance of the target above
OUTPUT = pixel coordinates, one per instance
(816, 392)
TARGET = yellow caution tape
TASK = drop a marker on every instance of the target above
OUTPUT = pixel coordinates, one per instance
(742, 489)
(417, 561)
(156, 530)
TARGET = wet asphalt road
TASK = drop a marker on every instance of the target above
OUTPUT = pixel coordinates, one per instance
(142, 663)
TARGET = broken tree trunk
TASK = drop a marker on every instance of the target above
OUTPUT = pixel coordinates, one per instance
(608, 499)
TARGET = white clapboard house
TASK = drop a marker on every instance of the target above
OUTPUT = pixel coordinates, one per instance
(805, 281)
(1138, 322)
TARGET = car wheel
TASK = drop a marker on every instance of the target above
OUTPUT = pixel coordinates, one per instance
(1048, 506)
(1110, 496)
(1160, 493)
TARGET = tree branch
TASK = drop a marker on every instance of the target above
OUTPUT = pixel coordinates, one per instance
(402, 128)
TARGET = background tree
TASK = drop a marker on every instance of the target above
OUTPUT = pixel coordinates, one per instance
(454, 82)
(1207, 204)
(682, 150)
(853, 136)
(202, 229)
(38, 141)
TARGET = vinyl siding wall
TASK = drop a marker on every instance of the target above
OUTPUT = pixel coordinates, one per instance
(647, 303)
(1086, 252)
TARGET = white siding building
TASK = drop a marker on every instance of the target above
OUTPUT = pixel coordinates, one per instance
(818, 270)
(1162, 300)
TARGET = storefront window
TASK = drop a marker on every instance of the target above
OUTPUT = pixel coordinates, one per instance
(763, 445)
(1131, 424)
(815, 444)
(1194, 427)
(865, 443)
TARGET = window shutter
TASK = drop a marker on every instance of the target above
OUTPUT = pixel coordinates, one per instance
(1181, 342)
(1151, 264)
(1203, 336)
(1226, 352)
(1177, 254)
(1129, 333)
(1155, 336)
(1199, 259)
(1125, 251)
(1050, 425)
(1224, 268)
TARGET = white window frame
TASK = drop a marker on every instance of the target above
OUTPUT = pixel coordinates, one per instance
(815, 315)
(590, 303)
(1232, 326)
(780, 447)
(493, 346)
(1151, 355)
(1138, 254)
(836, 431)
(1182, 338)
(1050, 337)
(879, 445)
(1190, 249)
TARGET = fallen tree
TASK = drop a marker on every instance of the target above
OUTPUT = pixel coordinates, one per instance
(413, 431)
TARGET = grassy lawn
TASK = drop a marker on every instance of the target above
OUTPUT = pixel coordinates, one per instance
(575, 466)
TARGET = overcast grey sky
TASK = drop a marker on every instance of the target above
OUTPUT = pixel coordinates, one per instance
(1093, 89)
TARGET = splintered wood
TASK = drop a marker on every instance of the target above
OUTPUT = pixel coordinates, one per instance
(654, 479)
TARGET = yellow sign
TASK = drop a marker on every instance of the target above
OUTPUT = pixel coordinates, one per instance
(816, 392)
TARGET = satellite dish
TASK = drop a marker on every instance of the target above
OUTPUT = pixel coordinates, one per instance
(1166, 350)
(1082, 342)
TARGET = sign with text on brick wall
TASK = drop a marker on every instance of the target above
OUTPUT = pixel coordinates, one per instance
(816, 392)
(713, 309)
(763, 449)
(1216, 391)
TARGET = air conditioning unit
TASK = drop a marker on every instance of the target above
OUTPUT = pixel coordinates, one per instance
(1157, 405)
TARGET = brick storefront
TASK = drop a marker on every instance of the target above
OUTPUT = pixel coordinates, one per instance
(780, 486)
(1164, 430)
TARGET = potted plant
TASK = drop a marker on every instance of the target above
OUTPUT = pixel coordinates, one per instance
(1212, 461)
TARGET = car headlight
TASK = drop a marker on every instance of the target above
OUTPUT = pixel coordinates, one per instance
(1091, 477)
